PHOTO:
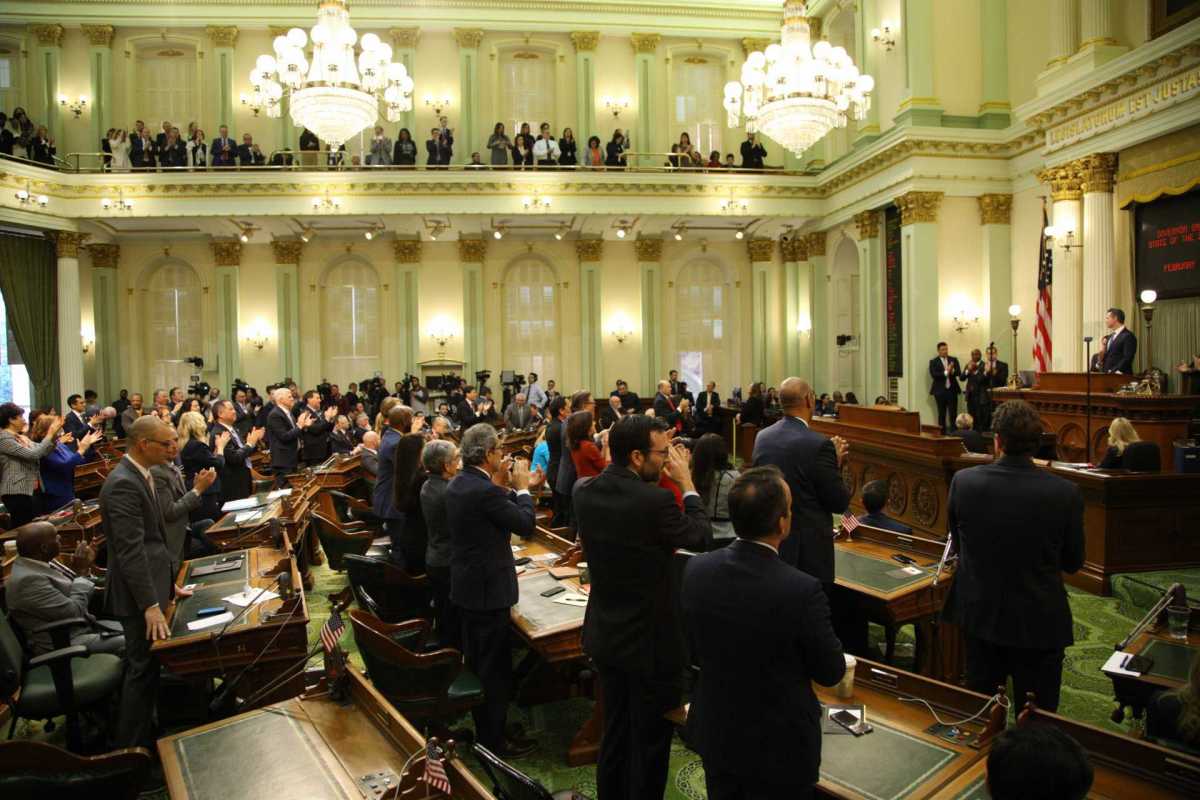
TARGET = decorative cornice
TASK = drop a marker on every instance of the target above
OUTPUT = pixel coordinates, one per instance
(222, 35)
(1065, 182)
(868, 224)
(287, 251)
(761, 250)
(995, 209)
(645, 42)
(472, 251)
(67, 243)
(105, 256)
(585, 41)
(98, 35)
(404, 37)
(648, 250)
(227, 253)
(48, 35)
(814, 243)
(1096, 172)
(407, 251)
(589, 250)
(468, 38)
(751, 44)
(277, 30)
(919, 207)
(794, 248)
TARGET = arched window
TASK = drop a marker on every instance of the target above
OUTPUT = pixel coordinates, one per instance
(531, 329)
(350, 324)
(702, 324)
(167, 78)
(172, 313)
(696, 83)
(526, 90)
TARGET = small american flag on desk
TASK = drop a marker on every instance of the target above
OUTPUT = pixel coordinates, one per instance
(435, 768)
(331, 631)
(849, 522)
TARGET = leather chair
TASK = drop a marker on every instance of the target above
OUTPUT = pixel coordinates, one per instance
(397, 595)
(349, 509)
(1142, 457)
(509, 783)
(37, 771)
(434, 688)
(63, 682)
(338, 542)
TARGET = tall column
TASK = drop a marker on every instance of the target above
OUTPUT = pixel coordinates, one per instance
(762, 253)
(287, 304)
(70, 348)
(404, 50)
(407, 287)
(797, 307)
(871, 56)
(468, 40)
(100, 62)
(994, 108)
(645, 59)
(1066, 292)
(585, 81)
(1099, 242)
(1064, 31)
(995, 215)
(1096, 23)
(920, 105)
(873, 347)
(591, 372)
(105, 313)
(822, 327)
(220, 77)
(44, 109)
(227, 258)
(649, 256)
(919, 282)
(472, 253)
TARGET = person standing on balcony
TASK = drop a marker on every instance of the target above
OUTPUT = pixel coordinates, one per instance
(500, 145)
(753, 152)
(224, 149)
(381, 149)
(445, 142)
(174, 154)
(142, 151)
(522, 151)
(249, 154)
(309, 146)
(160, 141)
(616, 150)
(567, 146)
(545, 149)
(197, 150)
(41, 148)
(688, 156)
(119, 145)
(593, 156)
(404, 153)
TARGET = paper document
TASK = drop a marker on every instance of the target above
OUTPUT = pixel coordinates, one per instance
(243, 599)
(278, 493)
(571, 599)
(241, 505)
(209, 622)
(242, 517)
(1116, 664)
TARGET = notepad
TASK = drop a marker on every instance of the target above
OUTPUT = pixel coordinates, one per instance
(571, 599)
(209, 622)
(243, 599)
(1116, 662)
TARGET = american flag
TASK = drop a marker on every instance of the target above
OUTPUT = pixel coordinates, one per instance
(435, 769)
(849, 522)
(331, 631)
(1041, 330)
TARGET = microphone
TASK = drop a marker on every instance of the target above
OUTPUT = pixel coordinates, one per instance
(221, 698)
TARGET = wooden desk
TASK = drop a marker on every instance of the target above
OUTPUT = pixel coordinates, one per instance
(1172, 661)
(274, 633)
(306, 747)
(89, 477)
(75, 527)
(229, 535)
(338, 474)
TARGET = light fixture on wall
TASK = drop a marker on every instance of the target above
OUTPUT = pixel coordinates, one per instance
(804, 325)
(1063, 236)
(739, 234)
(253, 101)
(964, 317)
(498, 233)
(732, 205)
(26, 197)
(441, 331)
(620, 328)
(680, 230)
(562, 231)
(76, 107)
(306, 234)
(88, 341)
(326, 204)
(885, 34)
(245, 232)
(536, 202)
(437, 104)
(118, 204)
(616, 105)
(437, 230)
(373, 231)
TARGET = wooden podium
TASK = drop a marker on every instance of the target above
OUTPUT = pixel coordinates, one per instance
(1061, 398)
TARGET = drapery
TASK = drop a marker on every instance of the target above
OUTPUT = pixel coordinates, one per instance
(28, 279)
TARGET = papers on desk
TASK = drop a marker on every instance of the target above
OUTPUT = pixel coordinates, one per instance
(242, 517)
(571, 599)
(255, 501)
(243, 599)
(1116, 665)
(545, 558)
(209, 622)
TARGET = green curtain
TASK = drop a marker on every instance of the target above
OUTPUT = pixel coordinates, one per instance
(1176, 335)
(28, 279)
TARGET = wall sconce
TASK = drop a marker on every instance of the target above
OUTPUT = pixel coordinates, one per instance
(120, 204)
(27, 198)
(964, 317)
(616, 105)
(680, 230)
(536, 203)
(1063, 236)
(498, 233)
(438, 104)
(245, 232)
(88, 341)
(327, 203)
(804, 325)
(441, 330)
(253, 102)
(734, 206)
(257, 336)
(885, 34)
(620, 328)
(76, 107)
(373, 231)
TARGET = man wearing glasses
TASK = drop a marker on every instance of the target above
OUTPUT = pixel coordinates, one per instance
(140, 572)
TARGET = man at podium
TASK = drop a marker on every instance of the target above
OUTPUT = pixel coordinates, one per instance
(1122, 344)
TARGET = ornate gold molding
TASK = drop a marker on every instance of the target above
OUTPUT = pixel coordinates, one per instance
(794, 248)
(105, 256)
(405, 37)
(227, 253)
(645, 42)
(98, 35)
(222, 35)
(1065, 182)
(48, 35)
(585, 41)
(750, 44)
(868, 224)
(995, 209)
(589, 250)
(919, 207)
(648, 250)
(407, 251)
(1096, 172)
(472, 251)
(277, 30)
(67, 243)
(814, 243)
(287, 251)
(468, 38)
(760, 250)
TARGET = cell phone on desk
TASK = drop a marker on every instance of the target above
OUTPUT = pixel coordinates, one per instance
(850, 722)
(905, 560)
(553, 591)
(522, 561)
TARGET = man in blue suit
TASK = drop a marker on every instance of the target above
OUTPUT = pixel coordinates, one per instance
(874, 497)
(1122, 344)
(224, 149)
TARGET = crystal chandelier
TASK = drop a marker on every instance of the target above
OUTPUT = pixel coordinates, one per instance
(331, 94)
(795, 93)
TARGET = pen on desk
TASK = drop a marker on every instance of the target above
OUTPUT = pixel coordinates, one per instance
(1125, 661)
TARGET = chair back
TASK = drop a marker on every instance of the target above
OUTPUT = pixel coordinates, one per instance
(397, 594)
(417, 683)
(1142, 457)
(337, 543)
(36, 771)
(508, 782)
(12, 659)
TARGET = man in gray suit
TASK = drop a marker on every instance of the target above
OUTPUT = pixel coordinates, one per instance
(520, 414)
(177, 501)
(131, 412)
(140, 576)
(41, 591)
(368, 453)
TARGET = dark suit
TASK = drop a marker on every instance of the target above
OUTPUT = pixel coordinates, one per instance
(177, 503)
(140, 575)
(244, 422)
(945, 395)
(141, 152)
(974, 441)
(249, 157)
(629, 401)
(370, 461)
(283, 438)
(1016, 529)
(752, 155)
(483, 584)
(235, 477)
(75, 426)
(465, 414)
(759, 642)
(884, 522)
(315, 438)
(630, 529)
(220, 158)
(664, 409)
(1118, 356)
(707, 422)
(609, 417)
(554, 444)
(518, 417)
(197, 455)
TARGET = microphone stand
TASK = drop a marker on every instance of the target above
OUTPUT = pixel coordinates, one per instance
(1174, 595)
(1087, 442)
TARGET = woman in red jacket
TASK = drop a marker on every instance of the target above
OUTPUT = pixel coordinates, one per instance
(589, 460)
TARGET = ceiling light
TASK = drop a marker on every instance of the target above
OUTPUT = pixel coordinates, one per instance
(245, 237)
(497, 234)
(739, 235)
(621, 233)
(558, 235)
(679, 234)
(306, 234)
(368, 235)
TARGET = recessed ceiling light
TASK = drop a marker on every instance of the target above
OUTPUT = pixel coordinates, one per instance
(620, 233)
(739, 235)
(498, 234)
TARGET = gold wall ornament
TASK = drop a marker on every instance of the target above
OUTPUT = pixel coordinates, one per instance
(751, 44)
(104, 256)
(794, 248)
(525, 55)
(589, 250)
(868, 224)
(695, 60)
(227, 253)
(1096, 172)
(407, 251)
(585, 41)
(98, 35)
(995, 209)
(67, 243)
(814, 243)
(468, 38)
(404, 37)
(277, 30)
(472, 251)
(648, 250)
(48, 35)
(222, 35)
(287, 251)
(171, 53)
(919, 207)
(1065, 182)
(645, 42)
(761, 250)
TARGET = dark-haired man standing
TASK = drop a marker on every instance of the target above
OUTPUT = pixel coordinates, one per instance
(1122, 344)
(1016, 529)
(945, 373)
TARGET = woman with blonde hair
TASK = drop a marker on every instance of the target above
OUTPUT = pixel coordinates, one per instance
(386, 405)
(1121, 434)
(197, 452)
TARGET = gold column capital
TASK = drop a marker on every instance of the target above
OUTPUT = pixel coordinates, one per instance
(814, 243)
(468, 38)
(750, 44)
(404, 37)
(472, 251)
(1065, 182)
(1096, 172)
(48, 35)
(794, 248)
(99, 35)
(222, 35)
(104, 256)
(995, 209)
(227, 253)
(760, 250)
(589, 250)
(287, 251)
(407, 251)
(585, 41)
(645, 42)
(868, 224)
(919, 207)
(648, 250)
(67, 243)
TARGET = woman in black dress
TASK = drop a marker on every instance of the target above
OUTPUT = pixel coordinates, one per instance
(404, 152)
(616, 150)
(567, 148)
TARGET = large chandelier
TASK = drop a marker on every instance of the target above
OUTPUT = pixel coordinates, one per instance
(795, 93)
(331, 94)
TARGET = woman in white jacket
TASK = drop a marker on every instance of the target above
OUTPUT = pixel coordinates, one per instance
(197, 151)
(120, 144)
